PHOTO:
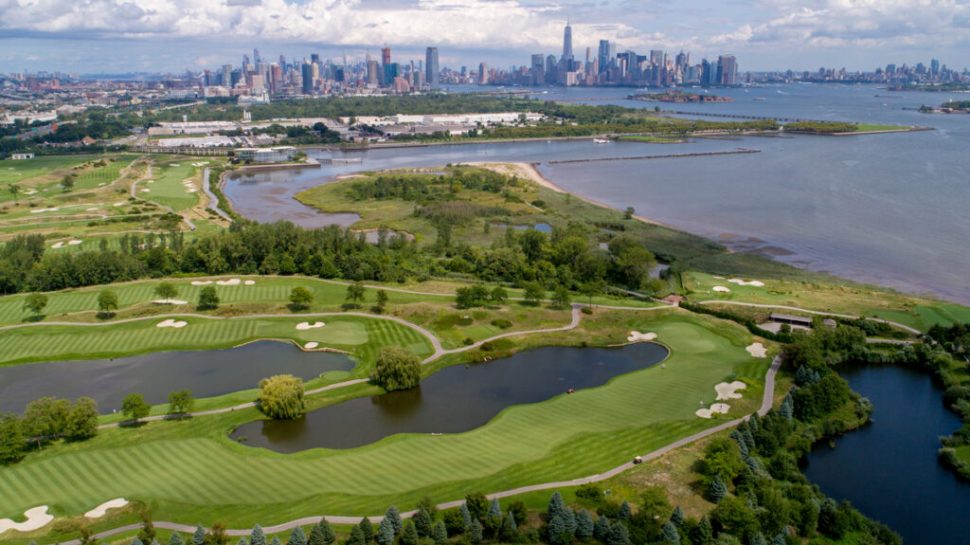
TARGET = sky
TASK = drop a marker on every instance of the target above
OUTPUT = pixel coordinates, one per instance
(113, 36)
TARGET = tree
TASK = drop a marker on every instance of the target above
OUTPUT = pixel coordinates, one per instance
(560, 297)
(717, 490)
(677, 517)
(217, 535)
(180, 402)
(208, 298)
(475, 532)
(107, 302)
(534, 294)
(423, 523)
(393, 515)
(316, 536)
(367, 529)
(591, 289)
(176, 539)
(166, 291)
(298, 537)
(631, 261)
(787, 409)
(67, 184)
(670, 533)
(281, 397)
(510, 530)
(628, 213)
(625, 511)
(601, 530)
(409, 536)
(355, 294)
(439, 533)
(14, 190)
(198, 538)
(147, 532)
(356, 537)
(300, 298)
(13, 445)
(397, 369)
(584, 525)
(385, 532)
(82, 421)
(619, 535)
(327, 532)
(46, 418)
(498, 295)
(381, 302)
(135, 407)
(704, 534)
(35, 303)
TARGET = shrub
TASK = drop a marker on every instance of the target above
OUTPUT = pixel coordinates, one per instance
(281, 397)
(501, 323)
(397, 369)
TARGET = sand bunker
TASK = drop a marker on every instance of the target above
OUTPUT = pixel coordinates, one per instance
(757, 350)
(146, 190)
(311, 345)
(250, 282)
(637, 337)
(717, 408)
(57, 245)
(40, 210)
(170, 302)
(37, 518)
(122, 203)
(93, 209)
(303, 326)
(102, 509)
(721, 289)
(755, 283)
(201, 282)
(177, 324)
(230, 282)
(74, 242)
(727, 390)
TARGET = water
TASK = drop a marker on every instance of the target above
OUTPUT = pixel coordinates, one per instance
(889, 468)
(205, 373)
(888, 209)
(453, 400)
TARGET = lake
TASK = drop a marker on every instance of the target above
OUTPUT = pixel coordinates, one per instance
(889, 209)
(889, 468)
(454, 399)
(206, 373)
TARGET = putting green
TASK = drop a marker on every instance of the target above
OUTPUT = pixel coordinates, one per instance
(349, 333)
(190, 471)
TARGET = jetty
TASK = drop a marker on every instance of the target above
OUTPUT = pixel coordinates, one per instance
(737, 151)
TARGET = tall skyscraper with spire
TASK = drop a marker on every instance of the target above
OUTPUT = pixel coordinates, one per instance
(567, 45)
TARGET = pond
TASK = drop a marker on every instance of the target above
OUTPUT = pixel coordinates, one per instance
(205, 373)
(889, 469)
(453, 400)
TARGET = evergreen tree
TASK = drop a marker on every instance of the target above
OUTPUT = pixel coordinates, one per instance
(328, 536)
(758, 539)
(510, 530)
(356, 536)
(409, 535)
(276, 541)
(717, 490)
(297, 537)
(787, 408)
(474, 532)
(601, 530)
(556, 531)
(316, 536)
(155, 542)
(625, 512)
(619, 535)
(198, 538)
(779, 540)
(175, 539)
(367, 529)
(584, 524)
(136, 541)
(569, 520)
(257, 537)
(242, 541)
(439, 533)
(556, 506)
(147, 532)
(670, 533)
(395, 516)
(385, 532)
(704, 533)
(677, 517)
(423, 522)
(466, 515)
(495, 510)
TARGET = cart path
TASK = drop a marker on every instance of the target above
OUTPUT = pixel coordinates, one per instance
(904, 327)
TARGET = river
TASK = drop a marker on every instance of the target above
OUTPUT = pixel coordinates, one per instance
(890, 209)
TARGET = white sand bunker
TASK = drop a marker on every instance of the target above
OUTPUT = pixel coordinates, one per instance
(57, 245)
(122, 203)
(102, 509)
(728, 390)
(201, 282)
(74, 242)
(250, 282)
(41, 210)
(311, 345)
(717, 408)
(37, 518)
(755, 283)
(721, 289)
(92, 209)
(146, 190)
(637, 337)
(757, 350)
(230, 282)
(303, 326)
(177, 324)
(170, 302)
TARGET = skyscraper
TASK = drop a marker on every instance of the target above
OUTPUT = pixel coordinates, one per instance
(538, 70)
(306, 72)
(431, 69)
(604, 55)
(727, 68)
(482, 74)
(567, 46)
(385, 55)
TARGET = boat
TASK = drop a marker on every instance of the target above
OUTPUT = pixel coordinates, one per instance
(601, 141)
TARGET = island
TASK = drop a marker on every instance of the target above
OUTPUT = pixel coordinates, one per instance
(680, 97)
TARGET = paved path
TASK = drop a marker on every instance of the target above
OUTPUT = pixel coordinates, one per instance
(766, 404)
(904, 327)
(213, 200)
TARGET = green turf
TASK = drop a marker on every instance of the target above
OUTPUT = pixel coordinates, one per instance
(190, 472)
(166, 187)
(16, 171)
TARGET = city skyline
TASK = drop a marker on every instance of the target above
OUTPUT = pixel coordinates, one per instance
(167, 36)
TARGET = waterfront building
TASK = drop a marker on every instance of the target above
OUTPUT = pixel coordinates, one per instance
(432, 70)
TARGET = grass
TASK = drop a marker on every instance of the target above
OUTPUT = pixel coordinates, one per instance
(189, 471)
(166, 187)
(918, 312)
(17, 171)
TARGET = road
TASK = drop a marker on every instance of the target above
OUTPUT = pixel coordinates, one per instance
(904, 327)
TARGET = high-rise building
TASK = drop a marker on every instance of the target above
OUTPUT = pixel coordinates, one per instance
(385, 56)
(227, 75)
(372, 78)
(567, 46)
(537, 70)
(727, 68)
(256, 58)
(482, 74)
(306, 71)
(603, 55)
(431, 67)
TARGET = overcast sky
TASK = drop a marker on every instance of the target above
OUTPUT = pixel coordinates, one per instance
(173, 35)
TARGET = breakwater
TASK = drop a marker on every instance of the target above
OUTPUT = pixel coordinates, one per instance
(737, 151)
